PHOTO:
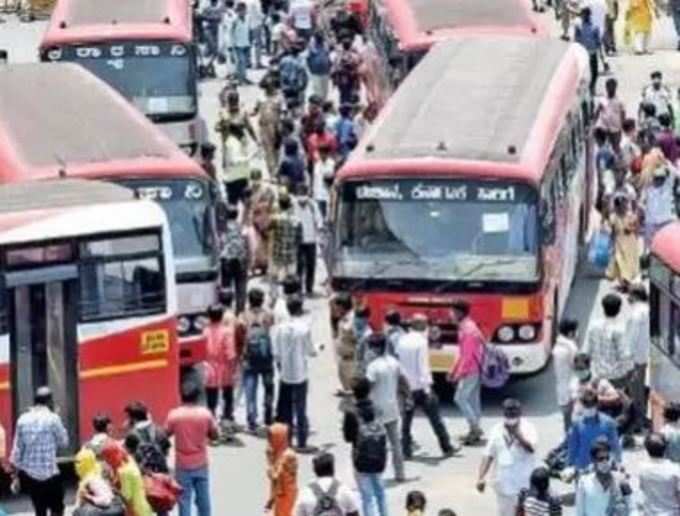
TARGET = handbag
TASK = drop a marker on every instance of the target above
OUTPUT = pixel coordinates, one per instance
(599, 250)
(161, 491)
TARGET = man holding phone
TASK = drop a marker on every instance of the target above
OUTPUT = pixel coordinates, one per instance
(511, 447)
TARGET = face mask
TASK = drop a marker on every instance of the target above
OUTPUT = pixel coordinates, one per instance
(589, 412)
(656, 84)
(582, 374)
(603, 466)
(511, 421)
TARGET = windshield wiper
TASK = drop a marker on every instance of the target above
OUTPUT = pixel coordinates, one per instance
(479, 266)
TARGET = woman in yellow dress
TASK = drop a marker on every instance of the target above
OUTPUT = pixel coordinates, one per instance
(624, 266)
(639, 18)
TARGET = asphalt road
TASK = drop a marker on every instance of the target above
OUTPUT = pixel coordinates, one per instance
(238, 482)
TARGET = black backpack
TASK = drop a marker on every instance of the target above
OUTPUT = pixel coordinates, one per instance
(258, 354)
(149, 455)
(370, 449)
(326, 501)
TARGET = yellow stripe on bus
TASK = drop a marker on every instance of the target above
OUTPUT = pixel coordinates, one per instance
(113, 370)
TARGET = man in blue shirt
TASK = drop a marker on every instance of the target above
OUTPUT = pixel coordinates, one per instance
(588, 35)
(586, 430)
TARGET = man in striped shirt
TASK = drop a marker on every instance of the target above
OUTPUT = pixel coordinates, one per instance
(537, 500)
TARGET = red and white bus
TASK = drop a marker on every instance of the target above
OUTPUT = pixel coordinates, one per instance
(142, 49)
(664, 279)
(402, 31)
(472, 184)
(87, 302)
(59, 120)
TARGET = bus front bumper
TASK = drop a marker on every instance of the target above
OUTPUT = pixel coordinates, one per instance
(524, 358)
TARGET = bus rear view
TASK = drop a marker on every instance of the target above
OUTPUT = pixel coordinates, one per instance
(142, 49)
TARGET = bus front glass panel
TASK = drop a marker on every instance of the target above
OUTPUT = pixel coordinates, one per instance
(157, 78)
(189, 208)
(437, 230)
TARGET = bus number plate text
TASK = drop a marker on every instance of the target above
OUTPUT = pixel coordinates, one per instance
(155, 342)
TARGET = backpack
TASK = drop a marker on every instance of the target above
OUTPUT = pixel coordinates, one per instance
(370, 449)
(318, 61)
(326, 502)
(347, 72)
(495, 367)
(149, 456)
(258, 354)
(292, 76)
(234, 244)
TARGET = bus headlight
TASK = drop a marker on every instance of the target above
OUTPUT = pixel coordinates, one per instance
(527, 332)
(505, 333)
(183, 325)
(200, 322)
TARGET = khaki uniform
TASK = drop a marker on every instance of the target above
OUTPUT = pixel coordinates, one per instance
(345, 348)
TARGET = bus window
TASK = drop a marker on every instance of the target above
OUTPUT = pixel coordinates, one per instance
(672, 340)
(121, 277)
(3, 310)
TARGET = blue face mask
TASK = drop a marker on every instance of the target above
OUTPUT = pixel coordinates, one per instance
(360, 325)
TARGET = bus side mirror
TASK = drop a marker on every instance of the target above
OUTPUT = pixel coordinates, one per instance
(4, 56)
(547, 217)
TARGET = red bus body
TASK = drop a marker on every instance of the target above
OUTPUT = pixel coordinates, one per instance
(99, 357)
(664, 363)
(59, 120)
(459, 136)
(146, 36)
(400, 32)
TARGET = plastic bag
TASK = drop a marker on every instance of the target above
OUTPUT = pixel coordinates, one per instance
(599, 251)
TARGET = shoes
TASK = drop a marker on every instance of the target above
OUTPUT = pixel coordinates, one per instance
(473, 438)
(451, 451)
(306, 450)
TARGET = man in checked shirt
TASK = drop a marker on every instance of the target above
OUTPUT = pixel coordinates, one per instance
(39, 434)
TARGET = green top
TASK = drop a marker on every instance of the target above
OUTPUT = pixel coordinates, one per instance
(132, 489)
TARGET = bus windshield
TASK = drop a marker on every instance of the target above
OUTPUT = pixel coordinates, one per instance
(188, 206)
(437, 230)
(157, 78)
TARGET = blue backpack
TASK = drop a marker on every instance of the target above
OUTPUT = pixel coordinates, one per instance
(495, 367)
(318, 61)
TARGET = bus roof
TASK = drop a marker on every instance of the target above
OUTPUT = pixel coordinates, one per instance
(64, 208)
(94, 21)
(59, 119)
(418, 24)
(457, 108)
(666, 246)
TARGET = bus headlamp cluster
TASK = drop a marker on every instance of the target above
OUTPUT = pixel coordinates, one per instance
(510, 333)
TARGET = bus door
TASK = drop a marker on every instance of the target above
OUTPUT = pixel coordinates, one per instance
(44, 340)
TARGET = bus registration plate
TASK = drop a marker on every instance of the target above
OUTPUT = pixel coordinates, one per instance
(155, 342)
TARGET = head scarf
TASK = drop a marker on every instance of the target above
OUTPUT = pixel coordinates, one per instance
(278, 440)
(114, 455)
(86, 464)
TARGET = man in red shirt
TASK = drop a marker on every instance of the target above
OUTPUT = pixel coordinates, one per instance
(193, 426)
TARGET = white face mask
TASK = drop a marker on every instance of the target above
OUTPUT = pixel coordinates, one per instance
(603, 466)
(589, 412)
(511, 421)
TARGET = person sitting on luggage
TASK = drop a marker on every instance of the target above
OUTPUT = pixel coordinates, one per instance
(93, 490)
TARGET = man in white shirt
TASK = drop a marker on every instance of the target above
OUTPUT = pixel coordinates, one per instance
(564, 352)
(602, 490)
(292, 348)
(659, 480)
(637, 331)
(383, 372)
(307, 212)
(326, 492)
(413, 354)
(511, 448)
(303, 21)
